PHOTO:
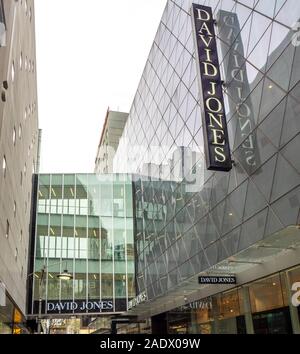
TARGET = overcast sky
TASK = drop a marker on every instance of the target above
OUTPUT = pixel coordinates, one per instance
(90, 55)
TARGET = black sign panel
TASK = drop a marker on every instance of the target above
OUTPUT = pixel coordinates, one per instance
(81, 306)
(238, 88)
(217, 150)
(216, 279)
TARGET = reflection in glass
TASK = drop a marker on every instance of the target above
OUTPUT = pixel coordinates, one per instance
(85, 225)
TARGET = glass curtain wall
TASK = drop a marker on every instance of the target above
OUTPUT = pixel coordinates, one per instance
(85, 225)
(189, 217)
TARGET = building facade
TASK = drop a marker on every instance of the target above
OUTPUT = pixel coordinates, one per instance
(18, 155)
(84, 224)
(244, 222)
(111, 132)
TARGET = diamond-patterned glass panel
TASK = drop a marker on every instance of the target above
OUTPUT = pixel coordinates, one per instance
(189, 217)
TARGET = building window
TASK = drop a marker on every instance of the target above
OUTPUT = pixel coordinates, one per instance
(20, 131)
(14, 136)
(26, 60)
(21, 60)
(21, 178)
(7, 229)
(266, 294)
(16, 254)
(13, 71)
(4, 166)
(15, 208)
(21, 236)
(2, 26)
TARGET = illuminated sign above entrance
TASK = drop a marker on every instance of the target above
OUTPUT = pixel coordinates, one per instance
(217, 150)
(207, 279)
(80, 306)
(60, 306)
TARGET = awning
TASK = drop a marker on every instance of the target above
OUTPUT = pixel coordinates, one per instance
(270, 255)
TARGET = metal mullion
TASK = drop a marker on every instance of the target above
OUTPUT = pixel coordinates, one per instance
(125, 240)
(61, 232)
(100, 245)
(45, 288)
(35, 246)
(113, 245)
(74, 240)
(87, 243)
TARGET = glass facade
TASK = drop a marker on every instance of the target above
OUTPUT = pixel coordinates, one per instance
(11, 319)
(267, 301)
(189, 218)
(84, 224)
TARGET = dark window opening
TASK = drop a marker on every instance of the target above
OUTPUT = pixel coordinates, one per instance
(7, 229)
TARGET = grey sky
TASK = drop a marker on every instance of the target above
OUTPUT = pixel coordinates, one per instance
(90, 55)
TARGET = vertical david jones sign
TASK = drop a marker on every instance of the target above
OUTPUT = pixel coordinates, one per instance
(217, 150)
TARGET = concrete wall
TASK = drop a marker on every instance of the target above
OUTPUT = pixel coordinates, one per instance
(19, 112)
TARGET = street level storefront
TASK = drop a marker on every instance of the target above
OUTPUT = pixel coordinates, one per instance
(12, 321)
(261, 307)
(82, 250)
(264, 306)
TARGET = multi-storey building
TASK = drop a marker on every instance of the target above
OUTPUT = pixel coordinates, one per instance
(242, 223)
(111, 132)
(18, 154)
(83, 226)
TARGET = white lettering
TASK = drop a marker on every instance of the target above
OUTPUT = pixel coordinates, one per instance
(250, 159)
(202, 12)
(296, 296)
(240, 96)
(247, 113)
(218, 137)
(230, 18)
(211, 66)
(213, 88)
(231, 32)
(220, 154)
(235, 73)
(209, 103)
(205, 28)
(205, 41)
(236, 60)
(116, 344)
(57, 307)
(208, 51)
(249, 140)
(213, 119)
(50, 306)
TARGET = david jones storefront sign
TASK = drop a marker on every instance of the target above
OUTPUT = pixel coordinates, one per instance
(216, 142)
(66, 306)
